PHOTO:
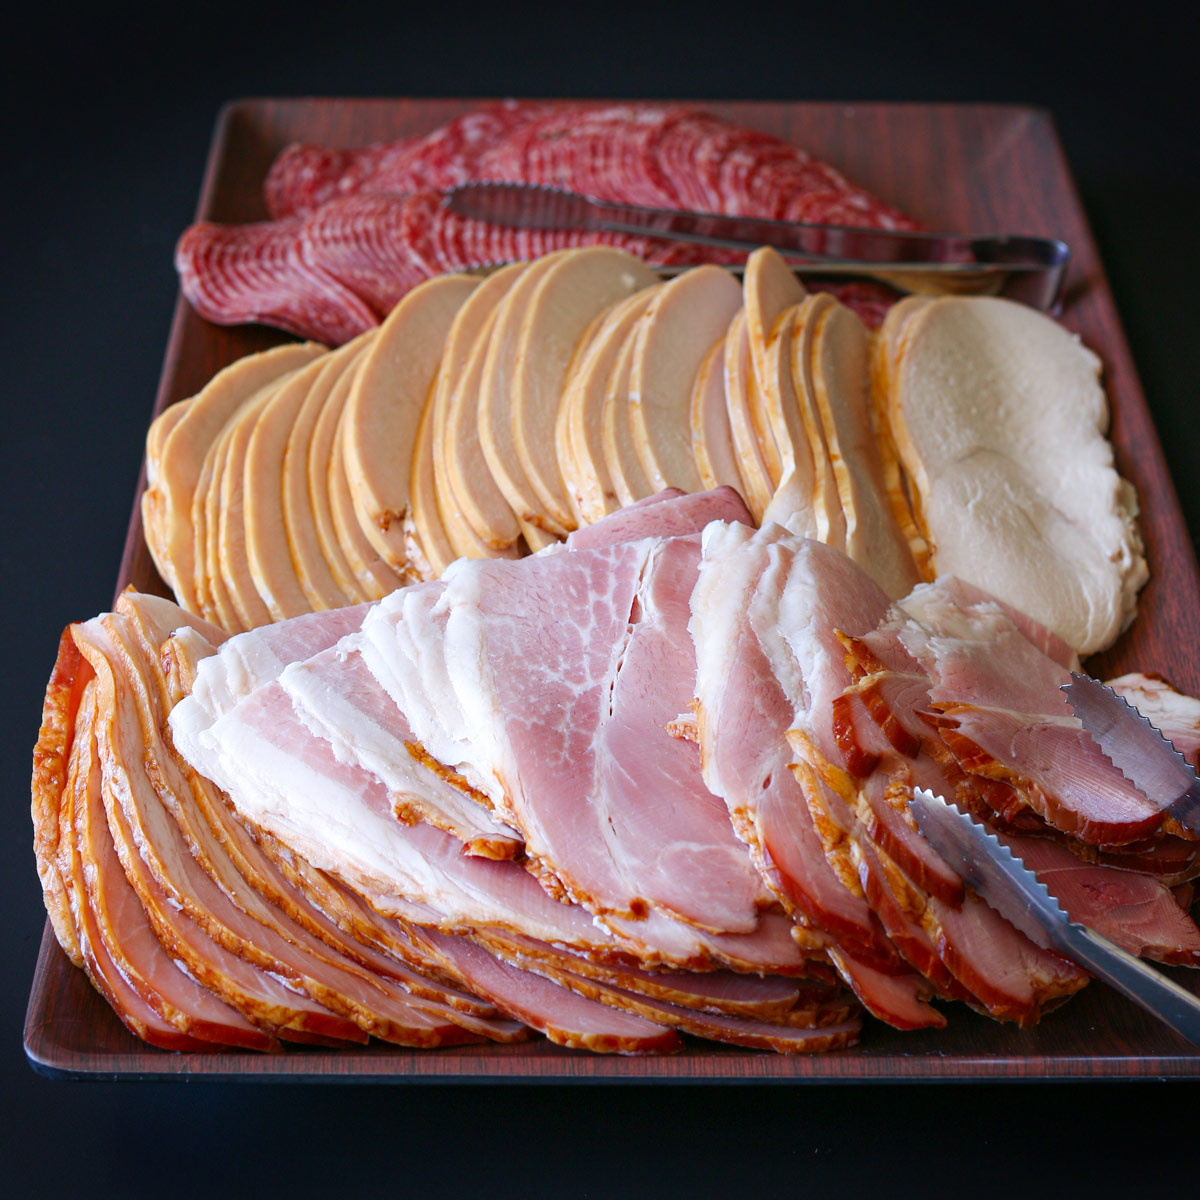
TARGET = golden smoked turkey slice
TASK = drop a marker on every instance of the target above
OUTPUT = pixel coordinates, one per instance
(629, 478)
(885, 354)
(739, 375)
(577, 289)
(793, 504)
(496, 434)
(319, 460)
(430, 549)
(177, 466)
(233, 562)
(1000, 422)
(841, 379)
(580, 432)
(373, 573)
(684, 320)
(385, 406)
(827, 506)
(316, 577)
(712, 441)
(768, 289)
(461, 472)
(272, 563)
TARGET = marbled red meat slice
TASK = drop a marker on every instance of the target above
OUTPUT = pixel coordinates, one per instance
(363, 241)
(259, 272)
(634, 153)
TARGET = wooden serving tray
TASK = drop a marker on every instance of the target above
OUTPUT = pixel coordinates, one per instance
(979, 169)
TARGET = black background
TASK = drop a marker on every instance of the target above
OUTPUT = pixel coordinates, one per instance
(104, 132)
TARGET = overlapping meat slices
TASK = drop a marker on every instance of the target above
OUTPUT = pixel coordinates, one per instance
(1005, 719)
(207, 867)
(802, 594)
(1123, 892)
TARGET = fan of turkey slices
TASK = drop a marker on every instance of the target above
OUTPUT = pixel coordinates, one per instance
(488, 418)
(999, 421)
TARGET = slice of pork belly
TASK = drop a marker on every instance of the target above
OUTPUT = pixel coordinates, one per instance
(569, 667)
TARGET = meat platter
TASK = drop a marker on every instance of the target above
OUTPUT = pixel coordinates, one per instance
(1006, 172)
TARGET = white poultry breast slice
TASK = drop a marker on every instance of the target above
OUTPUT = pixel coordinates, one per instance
(1000, 420)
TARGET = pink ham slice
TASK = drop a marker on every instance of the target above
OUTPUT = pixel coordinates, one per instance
(569, 667)
(1006, 719)
(339, 699)
(1135, 911)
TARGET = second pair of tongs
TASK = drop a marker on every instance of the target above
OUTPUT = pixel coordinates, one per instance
(1031, 270)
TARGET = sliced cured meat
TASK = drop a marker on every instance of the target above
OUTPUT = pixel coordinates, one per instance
(1006, 719)
(580, 286)
(1017, 493)
(245, 273)
(316, 577)
(686, 316)
(568, 708)
(1135, 911)
(385, 404)
(712, 438)
(769, 289)
(737, 691)
(51, 758)
(579, 434)
(1176, 715)
(668, 514)
(563, 1016)
(173, 470)
(841, 390)
(460, 469)
(337, 696)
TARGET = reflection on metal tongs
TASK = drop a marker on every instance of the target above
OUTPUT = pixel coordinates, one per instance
(1031, 270)
(1017, 894)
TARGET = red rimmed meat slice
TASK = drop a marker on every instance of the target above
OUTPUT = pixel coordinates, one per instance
(243, 273)
(360, 240)
(119, 921)
(563, 1016)
(1135, 911)
(744, 713)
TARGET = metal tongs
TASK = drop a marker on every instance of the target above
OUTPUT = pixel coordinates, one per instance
(1155, 767)
(1031, 270)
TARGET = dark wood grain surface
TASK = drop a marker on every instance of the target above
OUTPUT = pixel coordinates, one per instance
(978, 168)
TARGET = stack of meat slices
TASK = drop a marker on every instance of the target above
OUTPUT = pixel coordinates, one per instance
(479, 803)
(486, 418)
(352, 231)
